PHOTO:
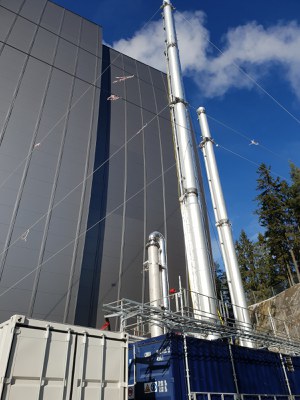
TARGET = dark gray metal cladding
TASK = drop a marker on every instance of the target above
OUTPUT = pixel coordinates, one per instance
(48, 123)
(56, 126)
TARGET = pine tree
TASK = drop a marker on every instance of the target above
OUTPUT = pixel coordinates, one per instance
(295, 193)
(293, 233)
(221, 284)
(246, 258)
(256, 267)
(272, 262)
(274, 216)
(268, 275)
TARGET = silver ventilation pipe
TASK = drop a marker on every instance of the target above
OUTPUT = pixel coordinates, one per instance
(198, 255)
(158, 277)
(233, 274)
(163, 270)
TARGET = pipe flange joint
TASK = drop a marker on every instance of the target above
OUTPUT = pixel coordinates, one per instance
(172, 44)
(191, 191)
(222, 222)
(152, 242)
(187, 192)
(205, 140)
(176, 100)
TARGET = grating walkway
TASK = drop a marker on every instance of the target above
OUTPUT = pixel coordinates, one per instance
(137, 319)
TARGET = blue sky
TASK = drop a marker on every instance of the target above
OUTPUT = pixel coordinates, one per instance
(261, 37)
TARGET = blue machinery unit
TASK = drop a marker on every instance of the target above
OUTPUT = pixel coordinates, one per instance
(178, 367)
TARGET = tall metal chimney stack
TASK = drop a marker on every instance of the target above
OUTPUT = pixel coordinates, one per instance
(234, 279)
(199, 259)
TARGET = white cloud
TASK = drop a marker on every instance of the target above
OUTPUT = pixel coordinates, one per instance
(147, 45)
(250, 46)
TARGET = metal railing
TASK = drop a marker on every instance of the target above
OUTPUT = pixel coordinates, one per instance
(242, 396)
(137, 319)
(254, 297)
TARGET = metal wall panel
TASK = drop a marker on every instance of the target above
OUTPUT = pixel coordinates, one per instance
(22, 34)
(66, 56)
(158, 361)
(294, 375)
(71, 27)
(33, 10)
(210, 366)
(53, 197)
(47, 145)
(259, 371)
(13, 5)
(11, 64)
(213, 372)
(86, 68)
(52, 17)
(133, 201)
(6, 20)
(44, 45)
(89, 37)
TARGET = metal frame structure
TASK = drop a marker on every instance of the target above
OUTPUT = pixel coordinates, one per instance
(136, 319)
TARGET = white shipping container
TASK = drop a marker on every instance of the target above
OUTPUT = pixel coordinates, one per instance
(52, 361)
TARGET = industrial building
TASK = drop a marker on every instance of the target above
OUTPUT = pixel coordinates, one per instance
(87, 178)
(87, 168)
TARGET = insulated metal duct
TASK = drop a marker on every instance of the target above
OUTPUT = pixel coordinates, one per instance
(234, 279)
(198, 255)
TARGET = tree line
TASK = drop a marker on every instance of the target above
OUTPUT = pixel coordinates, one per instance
(271, 263)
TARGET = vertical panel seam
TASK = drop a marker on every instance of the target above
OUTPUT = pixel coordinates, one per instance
(16, 91)
(11, 27)
(49, 30)
(125, 190)
(83, 193)
(162, 161)
(25, 172)
(145, 183)
(52, 197)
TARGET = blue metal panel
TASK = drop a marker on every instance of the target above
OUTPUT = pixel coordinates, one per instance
(258, 371)
(159, 369)
(131, 365)
(162, 360)
(210, 366)
(294, 376)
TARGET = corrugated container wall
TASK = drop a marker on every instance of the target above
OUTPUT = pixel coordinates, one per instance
(55, 361)
(71, 160)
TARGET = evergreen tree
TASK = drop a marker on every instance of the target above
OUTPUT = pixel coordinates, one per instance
(221, 284)
(256, 267)
(295, 193)
(268, 275)
(274, 216)
(247, 261)
(293, 233)
(274, 259)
